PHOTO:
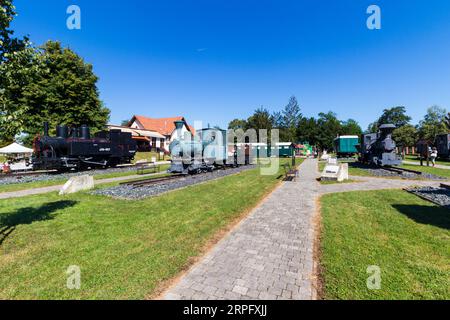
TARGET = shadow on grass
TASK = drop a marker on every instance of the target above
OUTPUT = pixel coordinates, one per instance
(9, 222)
(434, 216)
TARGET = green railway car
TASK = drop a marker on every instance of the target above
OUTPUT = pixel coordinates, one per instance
(346, 146)
(262, 150)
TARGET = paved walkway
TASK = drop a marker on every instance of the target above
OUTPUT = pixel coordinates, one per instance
(30, 192)
(267, 256)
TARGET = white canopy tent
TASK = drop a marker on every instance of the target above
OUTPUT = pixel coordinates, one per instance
(15, 148)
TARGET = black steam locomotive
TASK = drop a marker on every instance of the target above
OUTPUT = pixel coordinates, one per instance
(379, 148)
(75, 149)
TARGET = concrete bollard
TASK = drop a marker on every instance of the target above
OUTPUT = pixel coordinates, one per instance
(76, 184)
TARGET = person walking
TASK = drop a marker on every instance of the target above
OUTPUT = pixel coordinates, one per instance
(433, 156)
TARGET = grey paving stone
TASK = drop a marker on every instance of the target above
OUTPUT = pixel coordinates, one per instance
(268, 255)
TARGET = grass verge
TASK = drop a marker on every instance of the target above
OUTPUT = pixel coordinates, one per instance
(405, 236)
(124, 249)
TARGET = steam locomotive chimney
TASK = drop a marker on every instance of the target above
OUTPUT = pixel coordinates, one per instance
(85, 132)
(46, 129)
(179, 127)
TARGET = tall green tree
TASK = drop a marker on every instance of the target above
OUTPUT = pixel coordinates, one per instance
(291, 117)
(329, 127)
(237, 124)
(17, 73)
(433, 124)
(8, 43)
(350, 127)
(55, 85)
(261, 119)
(372, 128)
(396, 116)
(405, 136)
(308, 131)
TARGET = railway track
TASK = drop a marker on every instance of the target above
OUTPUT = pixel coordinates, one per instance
(153, 181)
(25, 174)
(401, 170)
(148, 182)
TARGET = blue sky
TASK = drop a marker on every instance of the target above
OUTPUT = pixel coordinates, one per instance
(215, 60)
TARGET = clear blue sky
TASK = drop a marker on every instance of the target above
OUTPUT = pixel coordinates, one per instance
(215, 60)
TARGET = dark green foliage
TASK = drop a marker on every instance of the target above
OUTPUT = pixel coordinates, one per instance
(405, 136)
(433, 124)
(290, 120)
(293, 127)
(329, 129)
(351, 128)
(237, 124)
(8, 43)
(50, 84)
(396, 116)
(260, 120)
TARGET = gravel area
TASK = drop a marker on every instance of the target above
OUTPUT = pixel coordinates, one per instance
(379, 172)
(128, 192)
(440, 196)
(16, 179)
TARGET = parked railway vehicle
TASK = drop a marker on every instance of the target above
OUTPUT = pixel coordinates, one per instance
(208, 150)
(281, 149)
(379, 148)
(442, 144)
(346, 146)
(75, 149)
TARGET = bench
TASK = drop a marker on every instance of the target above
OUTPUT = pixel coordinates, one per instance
(290, 172)
(141, 167)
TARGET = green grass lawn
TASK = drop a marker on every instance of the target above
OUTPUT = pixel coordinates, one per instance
(417, 159)
(436, 171)
(408, 238)
(125, 249)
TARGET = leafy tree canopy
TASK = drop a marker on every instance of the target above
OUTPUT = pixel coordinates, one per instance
(329, 128)
(290, 120)
(49, 84)
(307, 131)
(396, 116)
(433, 124)
(405, 136)
(261, 119)
(8, 43)
(237, 124)
(350, 127)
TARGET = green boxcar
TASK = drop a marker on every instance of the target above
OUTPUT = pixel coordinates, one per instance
(285, 149)
(346, 145)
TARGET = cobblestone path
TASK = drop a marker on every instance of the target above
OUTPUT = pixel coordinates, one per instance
(269, 255)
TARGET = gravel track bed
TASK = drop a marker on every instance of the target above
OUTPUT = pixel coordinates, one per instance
(127, 192)
(18, 179)
(439, 196)
(405, 175)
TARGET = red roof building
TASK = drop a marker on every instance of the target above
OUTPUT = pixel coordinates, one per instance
(163, 126)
